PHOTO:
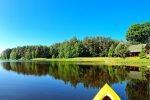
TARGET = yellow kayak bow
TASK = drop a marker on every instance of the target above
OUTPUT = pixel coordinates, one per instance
(106, 92)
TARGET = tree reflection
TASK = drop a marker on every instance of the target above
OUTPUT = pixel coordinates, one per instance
(93, 76)
(139, 89)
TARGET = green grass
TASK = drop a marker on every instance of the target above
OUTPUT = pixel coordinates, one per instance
(130, 61)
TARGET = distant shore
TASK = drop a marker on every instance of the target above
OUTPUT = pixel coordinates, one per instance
(129, 61)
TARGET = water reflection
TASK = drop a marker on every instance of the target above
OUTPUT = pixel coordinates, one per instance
(91, 76)
(138, 90)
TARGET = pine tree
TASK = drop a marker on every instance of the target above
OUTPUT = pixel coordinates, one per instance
(111, 51)
(121, 50)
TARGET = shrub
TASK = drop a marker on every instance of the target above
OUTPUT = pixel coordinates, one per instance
(142, 53)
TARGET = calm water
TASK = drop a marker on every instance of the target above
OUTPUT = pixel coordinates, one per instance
(70, 81)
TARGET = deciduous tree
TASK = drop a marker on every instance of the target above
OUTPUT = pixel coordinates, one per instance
(139, 33)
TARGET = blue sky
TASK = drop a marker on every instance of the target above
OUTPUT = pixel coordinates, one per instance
(33, 22)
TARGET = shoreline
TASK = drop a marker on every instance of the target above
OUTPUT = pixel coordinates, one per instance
(129, 61)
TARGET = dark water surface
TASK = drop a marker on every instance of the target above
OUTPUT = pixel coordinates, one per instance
(70, 81)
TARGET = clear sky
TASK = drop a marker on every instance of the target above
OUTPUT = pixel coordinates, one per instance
(33, 22)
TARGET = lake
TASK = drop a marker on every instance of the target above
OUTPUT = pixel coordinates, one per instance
(41, 80)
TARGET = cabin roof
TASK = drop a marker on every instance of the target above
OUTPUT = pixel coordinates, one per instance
(136, 48)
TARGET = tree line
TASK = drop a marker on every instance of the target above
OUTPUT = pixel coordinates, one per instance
(26, 52)
(88, 47)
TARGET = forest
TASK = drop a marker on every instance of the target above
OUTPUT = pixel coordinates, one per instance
(88, 47)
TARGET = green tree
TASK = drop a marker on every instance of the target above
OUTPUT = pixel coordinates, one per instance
(121, 50)
(13, 55)
(54, 50)
(61, 52)
(143, 53)
(69, 49)
(111, 52)
(28, 55)
(97, 46)
(33, 54)
(79, 48)
(139, 33)
(6, 54)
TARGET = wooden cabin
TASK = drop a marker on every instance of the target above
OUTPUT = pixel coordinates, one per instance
(136, 49)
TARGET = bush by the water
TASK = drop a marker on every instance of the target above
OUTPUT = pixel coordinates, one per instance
(143, 53)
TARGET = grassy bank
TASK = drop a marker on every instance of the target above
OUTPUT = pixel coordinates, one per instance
(131, 61)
